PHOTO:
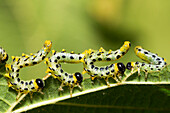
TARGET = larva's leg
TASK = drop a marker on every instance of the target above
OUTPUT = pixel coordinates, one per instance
(119, 79)
(138, 71)
(107, 82)
(80, 87)
(47, 76)
(31, 93)
(61, 87)
(71, 90)
(19, 95)
(146, 75)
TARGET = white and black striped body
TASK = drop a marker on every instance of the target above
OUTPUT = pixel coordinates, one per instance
(19, 62)
(154, 62)
(113, 70)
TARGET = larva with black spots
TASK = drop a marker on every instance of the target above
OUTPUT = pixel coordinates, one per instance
(3, 55)
(54, 69)
(154, 62)
(19, 62)
(113, 70)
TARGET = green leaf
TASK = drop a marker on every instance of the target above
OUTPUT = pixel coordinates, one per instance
(132, 95)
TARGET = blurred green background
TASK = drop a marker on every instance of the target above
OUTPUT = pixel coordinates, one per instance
(82, 24)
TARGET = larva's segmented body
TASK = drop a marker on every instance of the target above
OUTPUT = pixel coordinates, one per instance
(55, 70)
(3, 55)
(113, 70)
(154, 62)
(26, 60)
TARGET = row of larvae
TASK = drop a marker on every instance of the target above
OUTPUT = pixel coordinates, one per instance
(88, 58)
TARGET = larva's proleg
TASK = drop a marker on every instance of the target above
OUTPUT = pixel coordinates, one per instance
(3, 55)
(55, 70)
(154, 62)
(19, 62)
(113, 70)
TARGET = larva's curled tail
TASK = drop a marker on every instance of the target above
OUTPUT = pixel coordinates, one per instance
(155, 63)
(19, 62)
(3, 55)
(113, 70)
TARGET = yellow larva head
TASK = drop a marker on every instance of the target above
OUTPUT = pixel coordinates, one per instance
(39, 84)
(48, 44)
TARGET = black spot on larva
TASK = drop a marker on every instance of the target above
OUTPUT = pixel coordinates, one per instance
(59, 75)
(95, 74)
(159, 69)
(63, 79)
(106, 67)
(98, 54)
(92, 66)
(86, 62)
(149, 65)
(70, 76)
(159, 62)
(12, 77)
(157, 66)
(101, 74)
(108, 59)
(94, 60)
(17, 70)
(21, 66)
(136, 63)
(143, 64)
(165, 63)
(25, 88)
(107, 73)
(90, 56)
(96, 68)
(111, 66)
(69, 81)
(34, 63)
(146, 70)
(91, 63)
(26, 64)
(61, 71)
(54, 52)
(58, 57)
(153, 56)
(49, 59)
(18, 79)
(158, 59)
(55, 60)
(129, 44)
(63, 56)
(145, 52)
(112, 70)
(123, 53)
(139, 49)
(101, 69)
(26, 83)
(116, 52)
(71, 57)
(22, 82)
(151, 68)
(99, 59)
(80, 58)
(33, 88)
(57, 65)
(30, 82)
(43, 57)
(88, 71)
